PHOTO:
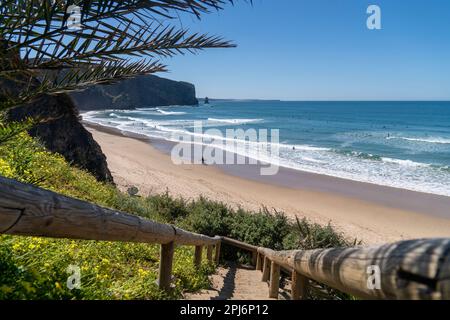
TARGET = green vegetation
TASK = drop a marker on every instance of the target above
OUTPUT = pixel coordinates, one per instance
(35, 268)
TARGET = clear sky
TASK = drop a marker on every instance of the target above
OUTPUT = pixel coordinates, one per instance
(322, 50)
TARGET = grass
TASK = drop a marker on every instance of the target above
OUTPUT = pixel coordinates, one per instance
(36, 268)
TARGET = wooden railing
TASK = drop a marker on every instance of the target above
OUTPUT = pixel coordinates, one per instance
(415, 269)
(30, 211)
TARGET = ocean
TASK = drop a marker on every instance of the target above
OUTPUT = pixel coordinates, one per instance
(398, 144)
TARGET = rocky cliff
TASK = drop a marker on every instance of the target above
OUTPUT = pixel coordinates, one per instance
(61, 130)
(142, 91)
(63, 133)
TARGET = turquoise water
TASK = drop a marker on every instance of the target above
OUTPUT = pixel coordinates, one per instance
(399, 144)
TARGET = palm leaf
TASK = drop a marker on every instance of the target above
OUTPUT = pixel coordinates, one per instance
(118, 40)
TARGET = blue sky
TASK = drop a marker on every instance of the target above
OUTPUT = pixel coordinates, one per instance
(322, 50)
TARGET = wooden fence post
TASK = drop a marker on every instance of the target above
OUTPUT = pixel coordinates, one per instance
(209, 254)
(274, 280)
(198, 256)
(266, 270)
(299, 289)
(165, 266)
(259, 262)
(254, 258)
(217, 254)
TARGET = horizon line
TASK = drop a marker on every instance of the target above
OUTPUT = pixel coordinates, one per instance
(329, 100)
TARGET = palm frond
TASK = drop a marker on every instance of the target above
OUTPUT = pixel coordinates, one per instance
(77, 79)
(115, 40)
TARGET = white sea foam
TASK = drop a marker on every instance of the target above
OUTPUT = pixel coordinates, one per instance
(408, 163)
(303, 147)
(89, 114)
(313, 160)
(235, 121)
(437, 140)
(169, 113)
(401, 173)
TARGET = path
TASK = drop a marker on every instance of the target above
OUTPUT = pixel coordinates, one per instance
(235, 283)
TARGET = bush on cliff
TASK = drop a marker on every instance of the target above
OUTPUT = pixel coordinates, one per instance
(32, 268)
(35, 268)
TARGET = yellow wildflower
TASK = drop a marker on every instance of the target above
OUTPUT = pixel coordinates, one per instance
(6, 289)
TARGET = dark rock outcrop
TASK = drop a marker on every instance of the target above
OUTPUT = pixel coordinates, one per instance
(142, 91)
(62, 131)
(64, 134)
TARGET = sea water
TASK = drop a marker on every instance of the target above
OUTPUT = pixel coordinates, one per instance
(398, 144)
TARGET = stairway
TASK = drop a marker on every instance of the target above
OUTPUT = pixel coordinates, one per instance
(235, 282)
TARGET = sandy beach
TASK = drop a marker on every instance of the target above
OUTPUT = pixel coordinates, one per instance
(373, 214)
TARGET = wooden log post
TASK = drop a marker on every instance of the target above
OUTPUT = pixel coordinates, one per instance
(165, 266)
(209, 254)
(274, 280)
(198, 256)
(266, 270)
(259, 262)
(299, 289)
(217, 255)
(254, 258)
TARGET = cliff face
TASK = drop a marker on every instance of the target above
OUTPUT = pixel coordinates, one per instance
(62, 131)
(142, 91)
(64, 134)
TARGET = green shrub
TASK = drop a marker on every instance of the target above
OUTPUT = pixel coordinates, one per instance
(207, 217)
(35, 268)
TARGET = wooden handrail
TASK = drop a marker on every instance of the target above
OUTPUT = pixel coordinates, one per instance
(240, 244)
(414, 269)
(31, 211)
